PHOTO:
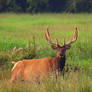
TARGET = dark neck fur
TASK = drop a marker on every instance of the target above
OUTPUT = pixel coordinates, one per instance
(61, 62)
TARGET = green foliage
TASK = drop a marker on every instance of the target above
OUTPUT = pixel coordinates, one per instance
(35, 6)
(16, 54)
(71, 5)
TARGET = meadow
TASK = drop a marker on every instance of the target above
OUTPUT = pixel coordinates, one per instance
(27, 31)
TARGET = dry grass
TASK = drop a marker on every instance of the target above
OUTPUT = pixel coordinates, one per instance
(70, 82)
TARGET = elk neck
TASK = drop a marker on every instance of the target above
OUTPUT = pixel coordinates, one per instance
(60, 60)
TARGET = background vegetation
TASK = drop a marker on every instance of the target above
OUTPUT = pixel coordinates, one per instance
(35, 6)
(22, 37)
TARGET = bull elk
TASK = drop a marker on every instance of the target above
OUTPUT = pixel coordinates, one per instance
(36, 69)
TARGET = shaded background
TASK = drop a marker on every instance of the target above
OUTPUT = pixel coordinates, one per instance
(39, 6)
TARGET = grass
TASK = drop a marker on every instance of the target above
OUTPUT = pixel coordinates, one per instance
(73, 82)
(18, 30)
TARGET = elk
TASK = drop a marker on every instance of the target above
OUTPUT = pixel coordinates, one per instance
(37, 69)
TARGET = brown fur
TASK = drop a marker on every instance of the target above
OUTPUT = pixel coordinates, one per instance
(33, 69)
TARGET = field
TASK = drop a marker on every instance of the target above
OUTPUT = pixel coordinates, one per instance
(26, 31)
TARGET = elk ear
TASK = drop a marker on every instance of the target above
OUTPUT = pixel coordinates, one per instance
(54, 46)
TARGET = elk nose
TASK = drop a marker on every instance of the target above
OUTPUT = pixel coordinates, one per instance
(61, 54)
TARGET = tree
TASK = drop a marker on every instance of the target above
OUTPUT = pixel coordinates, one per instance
(3, 5)
(84, 6)
(57, 5)
(37, 5)
(71, 6)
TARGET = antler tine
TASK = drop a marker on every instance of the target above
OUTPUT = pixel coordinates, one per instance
(74, 38)
(64, 41)
(57, 41)
(48, 37)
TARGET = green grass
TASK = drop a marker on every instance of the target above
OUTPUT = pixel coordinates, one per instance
(18, 30)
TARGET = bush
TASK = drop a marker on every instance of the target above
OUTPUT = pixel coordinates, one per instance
(16, 54)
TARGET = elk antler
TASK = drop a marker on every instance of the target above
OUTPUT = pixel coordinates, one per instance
(74, 38)
(49, 39)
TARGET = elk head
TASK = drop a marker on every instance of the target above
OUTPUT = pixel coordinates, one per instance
(61, 49)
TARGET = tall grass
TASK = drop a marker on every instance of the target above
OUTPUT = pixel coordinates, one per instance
(17, 43)
(72, 82)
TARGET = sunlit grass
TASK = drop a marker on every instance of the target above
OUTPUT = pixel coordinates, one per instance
(17, 30)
